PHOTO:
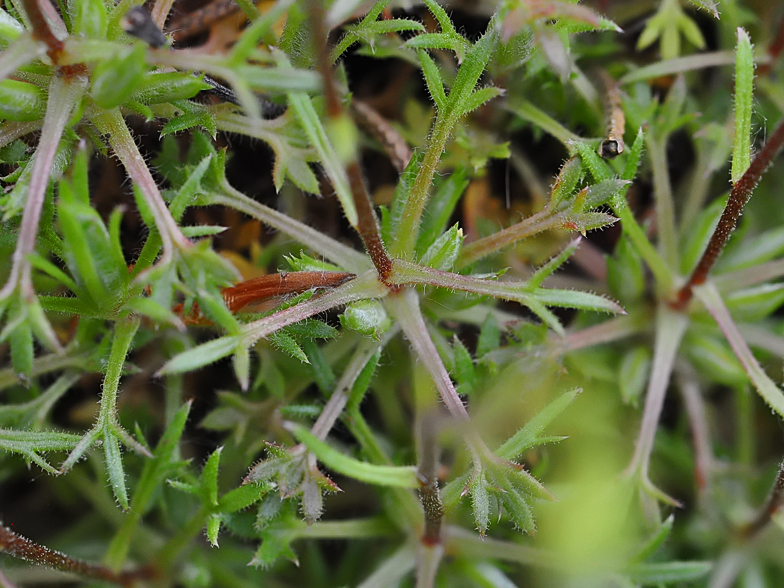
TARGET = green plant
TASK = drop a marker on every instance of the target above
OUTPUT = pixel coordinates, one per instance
(410, 325)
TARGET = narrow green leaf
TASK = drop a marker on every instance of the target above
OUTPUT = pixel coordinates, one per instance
(489, 336)
(440, 208)
(443, 253)
(209, 478)
(301, 104)
(669, 572)
(213, 529)
(395, 476)
(633, 374)
(242, 497)
(435, 85)
(656, 540)
(114, 468)
(202, 355)
(21, 101)
(479, 97)
(528, 436)
(115, 79)
(480, 503)
(544, 272)
(575, 299)
(744, 95)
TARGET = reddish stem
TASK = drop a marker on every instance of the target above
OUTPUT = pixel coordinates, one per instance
(22, 548)
(41, 29)
(739, 196)
(367, 224)
(264, 288)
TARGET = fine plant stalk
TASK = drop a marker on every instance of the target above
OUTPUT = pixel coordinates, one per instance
(670, 327)
(112, 124)
(335, 251)
(64, 94)
(160, 12)
(665, 208)
(770, 392)
(739, 196)
(21, 52)
(408, 230)
(337, 401)
(539, 222)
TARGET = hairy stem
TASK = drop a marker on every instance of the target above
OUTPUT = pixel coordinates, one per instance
(408, 230)
(324, 245)
(112, 124)
(64, 94)
(739, 196)
(22, 548)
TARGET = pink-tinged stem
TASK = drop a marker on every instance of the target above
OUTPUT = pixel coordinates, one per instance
(22, 548)
(670, 327)
(700, 434)
(112, 124)
(337, 402)
(366, 286)
(64, 94)
(709, 295)
(405, 307)
(160, 12)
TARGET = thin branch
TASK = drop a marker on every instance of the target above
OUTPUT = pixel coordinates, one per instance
(329, 248)
(367, 223)
(767, 389)
(160, 12)
(64, 94)
(41, 29)
(429, 496)
(337, 401)
(544, 220)
(739, 196)
(698, 420)
(112, 124)
(670, 328)
(22, 548)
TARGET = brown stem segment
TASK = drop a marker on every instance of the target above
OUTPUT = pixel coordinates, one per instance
(739, 196)
(367, 224)
(22, 548)
(429, 496)
(41, 29)
(43, 32)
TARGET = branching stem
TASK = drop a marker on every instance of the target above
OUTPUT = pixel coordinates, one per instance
(739, 196)
(64, 94)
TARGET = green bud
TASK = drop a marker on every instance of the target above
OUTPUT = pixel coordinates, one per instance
(443, 252)
(20, 101)
(367, 317)
(167, 87)
(89, 18)
(116, 79)
(10, 28)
